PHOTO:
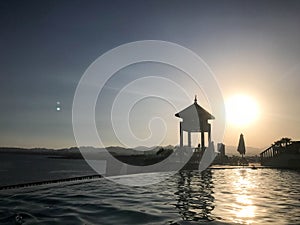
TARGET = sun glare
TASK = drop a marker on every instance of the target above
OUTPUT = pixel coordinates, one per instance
(241, 110)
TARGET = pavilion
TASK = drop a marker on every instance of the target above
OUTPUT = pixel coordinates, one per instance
(195, 119)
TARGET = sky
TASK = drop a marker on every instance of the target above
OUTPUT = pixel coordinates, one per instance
(252, 48)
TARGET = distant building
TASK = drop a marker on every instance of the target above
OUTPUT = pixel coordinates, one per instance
(221, 149)
(221, 158)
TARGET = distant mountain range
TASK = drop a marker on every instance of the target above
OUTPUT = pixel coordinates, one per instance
(250, 151)
(141, 150)
(115, 150)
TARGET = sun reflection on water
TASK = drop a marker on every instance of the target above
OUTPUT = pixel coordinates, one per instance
(245, 212)
(244, 208)
(239, 196)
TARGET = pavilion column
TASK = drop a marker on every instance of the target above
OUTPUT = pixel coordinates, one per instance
(181, 134)
(202, 140)
(189, 139)
(209, 135)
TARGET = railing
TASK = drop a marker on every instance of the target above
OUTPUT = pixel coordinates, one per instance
(275, 151)
(268, 153)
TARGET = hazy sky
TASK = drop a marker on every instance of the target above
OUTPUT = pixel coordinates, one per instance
(45, 47)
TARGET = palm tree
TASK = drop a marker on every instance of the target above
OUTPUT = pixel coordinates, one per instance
(278, 143)
(283, 142)
(286, 141)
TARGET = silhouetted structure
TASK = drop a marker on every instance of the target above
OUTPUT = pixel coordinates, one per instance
(195, 119)
(241, 146)
(242, 150)
(283, 153)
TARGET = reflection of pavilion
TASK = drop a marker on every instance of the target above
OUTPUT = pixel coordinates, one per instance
(195, 119)
(194, 195)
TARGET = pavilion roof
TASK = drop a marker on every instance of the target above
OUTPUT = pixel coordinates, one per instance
(195, 110)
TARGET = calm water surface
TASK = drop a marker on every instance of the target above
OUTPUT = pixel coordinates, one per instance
(216, 196)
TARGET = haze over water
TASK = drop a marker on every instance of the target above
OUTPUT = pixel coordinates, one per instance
(221, 196)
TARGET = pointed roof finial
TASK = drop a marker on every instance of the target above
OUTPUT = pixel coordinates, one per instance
(195, 99)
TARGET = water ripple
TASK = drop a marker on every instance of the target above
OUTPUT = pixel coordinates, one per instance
(229, 196)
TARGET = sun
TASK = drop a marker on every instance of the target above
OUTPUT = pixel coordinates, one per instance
(241, 110)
